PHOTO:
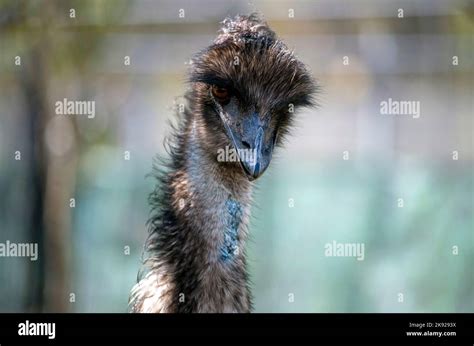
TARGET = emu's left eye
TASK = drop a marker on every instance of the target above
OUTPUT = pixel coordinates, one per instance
(221, 94)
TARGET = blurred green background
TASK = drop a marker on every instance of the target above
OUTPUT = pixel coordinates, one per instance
(310, 196)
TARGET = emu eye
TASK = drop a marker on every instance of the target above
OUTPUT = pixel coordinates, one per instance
(221, 94)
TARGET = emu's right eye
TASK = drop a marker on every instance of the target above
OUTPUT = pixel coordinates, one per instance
(221, 94)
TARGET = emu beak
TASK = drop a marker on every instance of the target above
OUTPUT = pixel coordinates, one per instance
(253, 140)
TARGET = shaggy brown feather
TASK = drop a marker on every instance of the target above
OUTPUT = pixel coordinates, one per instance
(184, 270)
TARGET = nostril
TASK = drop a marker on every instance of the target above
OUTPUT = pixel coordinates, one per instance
(246, 144)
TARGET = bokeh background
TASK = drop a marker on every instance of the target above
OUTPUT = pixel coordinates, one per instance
(310, 196)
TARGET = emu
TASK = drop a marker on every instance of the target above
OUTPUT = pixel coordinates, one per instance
(243, 91)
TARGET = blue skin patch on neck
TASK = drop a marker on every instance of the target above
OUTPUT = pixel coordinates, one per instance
(231, 236)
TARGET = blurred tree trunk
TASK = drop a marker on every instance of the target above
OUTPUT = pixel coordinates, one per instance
(34, 108)
(53, 179)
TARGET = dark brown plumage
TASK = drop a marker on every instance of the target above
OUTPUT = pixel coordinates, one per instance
(243, 90)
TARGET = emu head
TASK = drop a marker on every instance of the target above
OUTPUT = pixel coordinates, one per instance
(246, 86)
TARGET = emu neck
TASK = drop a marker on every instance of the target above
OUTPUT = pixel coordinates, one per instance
(212, 203)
